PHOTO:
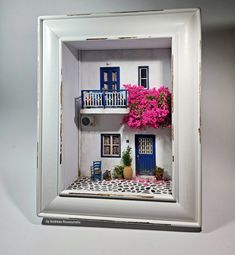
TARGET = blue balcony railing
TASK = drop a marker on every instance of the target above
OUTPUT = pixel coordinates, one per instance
(104, 99)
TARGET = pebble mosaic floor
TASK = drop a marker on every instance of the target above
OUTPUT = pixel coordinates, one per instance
(141, 187)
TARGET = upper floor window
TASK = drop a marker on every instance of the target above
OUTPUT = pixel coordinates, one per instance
(143, 76)
(110, 78)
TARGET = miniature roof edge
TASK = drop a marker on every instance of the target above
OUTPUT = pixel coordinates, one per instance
(117, 13)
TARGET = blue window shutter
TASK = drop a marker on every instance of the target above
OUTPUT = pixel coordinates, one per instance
(110, 82)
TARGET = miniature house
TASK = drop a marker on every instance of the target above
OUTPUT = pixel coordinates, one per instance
(93, 128)
(84, 81)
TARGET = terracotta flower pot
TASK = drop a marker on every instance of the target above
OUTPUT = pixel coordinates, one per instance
(127, 172)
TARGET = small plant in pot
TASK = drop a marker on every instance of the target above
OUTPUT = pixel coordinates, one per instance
(159, 173)
(118, 172)
(127, 160)
(107, 175)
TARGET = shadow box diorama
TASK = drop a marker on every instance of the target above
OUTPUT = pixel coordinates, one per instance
(119, 119)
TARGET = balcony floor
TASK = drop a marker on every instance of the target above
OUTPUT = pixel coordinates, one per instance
(105, 111)
(125, 189)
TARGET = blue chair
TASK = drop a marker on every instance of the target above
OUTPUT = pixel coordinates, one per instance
(96, 174)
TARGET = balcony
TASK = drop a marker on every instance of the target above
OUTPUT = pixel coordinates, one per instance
(104, 102)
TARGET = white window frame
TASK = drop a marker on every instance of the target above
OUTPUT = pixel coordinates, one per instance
(184, 28)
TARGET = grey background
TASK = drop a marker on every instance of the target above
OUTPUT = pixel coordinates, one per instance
(20, 229)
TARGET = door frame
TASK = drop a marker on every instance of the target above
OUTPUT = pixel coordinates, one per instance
(136, 148)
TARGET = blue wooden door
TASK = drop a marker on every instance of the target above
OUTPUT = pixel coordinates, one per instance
(145, 154)
(110, 78)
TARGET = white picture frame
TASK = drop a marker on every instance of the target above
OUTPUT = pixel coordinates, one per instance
(184, 29)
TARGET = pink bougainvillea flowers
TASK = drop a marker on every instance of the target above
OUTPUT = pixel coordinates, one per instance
(148, 107)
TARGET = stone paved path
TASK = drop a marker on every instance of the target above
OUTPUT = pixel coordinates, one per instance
(134, 187)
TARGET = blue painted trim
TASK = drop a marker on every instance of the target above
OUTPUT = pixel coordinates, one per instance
(109, 70)
(103, 100)
(100, 90)
(101, 148)
(126, 99)
(118, 78)
(102, 70)
(82, 97)
(147, 72)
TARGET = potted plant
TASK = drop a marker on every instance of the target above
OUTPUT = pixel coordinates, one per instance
(118, 172)
(107, 175)
(159, 173)
(127, 160)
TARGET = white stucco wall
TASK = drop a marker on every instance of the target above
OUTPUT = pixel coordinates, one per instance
(91, 143)
(159, 62)
(21, 231)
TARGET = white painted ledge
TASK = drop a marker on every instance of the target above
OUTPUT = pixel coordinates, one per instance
(113, 195)
(105, 111)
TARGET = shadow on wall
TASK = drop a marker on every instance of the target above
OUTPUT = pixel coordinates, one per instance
(218, 125)
(77, 107)
(105, 123)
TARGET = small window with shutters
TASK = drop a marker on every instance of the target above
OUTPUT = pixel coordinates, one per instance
(110, 78)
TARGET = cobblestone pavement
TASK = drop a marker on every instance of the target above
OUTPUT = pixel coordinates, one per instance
(135, 186)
